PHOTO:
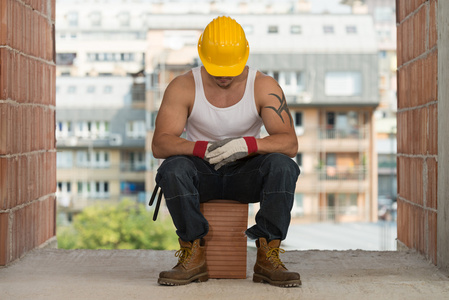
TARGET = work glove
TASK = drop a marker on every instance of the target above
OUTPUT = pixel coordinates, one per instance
(200, 148)
(229, 150)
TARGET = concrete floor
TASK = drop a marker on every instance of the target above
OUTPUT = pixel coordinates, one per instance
(132, 274)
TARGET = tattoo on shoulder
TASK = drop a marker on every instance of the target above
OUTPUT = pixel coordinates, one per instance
(282, 107)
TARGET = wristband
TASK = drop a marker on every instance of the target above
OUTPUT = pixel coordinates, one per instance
(251, 144)
(200, 148)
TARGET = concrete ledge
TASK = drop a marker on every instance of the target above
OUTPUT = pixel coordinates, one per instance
(132, 274)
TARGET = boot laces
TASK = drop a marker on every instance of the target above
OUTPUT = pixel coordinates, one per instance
(273, 255)
(183, 254)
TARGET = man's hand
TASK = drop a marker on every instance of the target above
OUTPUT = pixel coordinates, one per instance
(229, 150)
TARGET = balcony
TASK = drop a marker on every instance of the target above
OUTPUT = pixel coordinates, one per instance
(330, 178)
(132, 274)
(344, 140)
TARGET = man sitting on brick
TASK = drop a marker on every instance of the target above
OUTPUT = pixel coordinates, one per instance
(222, 106)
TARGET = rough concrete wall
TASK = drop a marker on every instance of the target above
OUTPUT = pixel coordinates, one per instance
(417, 120)
(443, 135)
(27, 126)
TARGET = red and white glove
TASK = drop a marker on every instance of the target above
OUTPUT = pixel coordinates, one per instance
(200, 148)
(229, 150)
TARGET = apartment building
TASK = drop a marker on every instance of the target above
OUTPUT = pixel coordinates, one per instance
(101, 58)
(100, 141)
(384, 18)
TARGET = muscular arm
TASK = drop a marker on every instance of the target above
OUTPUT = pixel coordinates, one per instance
(172, 117)
(276, 118)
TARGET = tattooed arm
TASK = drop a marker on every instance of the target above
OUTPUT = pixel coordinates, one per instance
(273, 109)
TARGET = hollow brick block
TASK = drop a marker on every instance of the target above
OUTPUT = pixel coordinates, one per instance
(226, 243)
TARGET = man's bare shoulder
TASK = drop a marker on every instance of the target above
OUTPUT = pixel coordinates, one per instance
(265, 85)
(184, 81)
(181, 90)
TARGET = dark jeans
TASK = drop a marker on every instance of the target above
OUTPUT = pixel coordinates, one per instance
(270, 179)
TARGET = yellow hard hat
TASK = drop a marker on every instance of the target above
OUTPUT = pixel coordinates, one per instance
(223, 47)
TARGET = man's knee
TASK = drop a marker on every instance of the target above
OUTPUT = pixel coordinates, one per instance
(179, 165)
(280, 163)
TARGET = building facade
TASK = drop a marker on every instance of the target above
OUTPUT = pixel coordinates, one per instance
(100, 141)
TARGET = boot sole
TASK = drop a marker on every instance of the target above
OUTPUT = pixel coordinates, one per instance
(172, 282)
(288, 283)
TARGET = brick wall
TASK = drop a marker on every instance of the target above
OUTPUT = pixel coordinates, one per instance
(417, 119)
(27, 126)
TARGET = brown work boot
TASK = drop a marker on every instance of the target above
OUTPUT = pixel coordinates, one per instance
(191, 265)
(269, 267)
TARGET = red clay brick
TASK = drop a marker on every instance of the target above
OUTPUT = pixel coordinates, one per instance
(422, 129)
(4, 239)
(432, 183)
(432, 143)
(403, 222)
(419, 31)
(402, 169)
(408, 40)
(433, 33)
(432, 236)
(419, 229)
(3, 182)
(433, 79)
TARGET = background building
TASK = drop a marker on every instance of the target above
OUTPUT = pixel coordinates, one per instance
(326, 64)
(384, 18)
(100, 141)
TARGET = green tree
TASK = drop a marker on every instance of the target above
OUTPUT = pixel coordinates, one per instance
(127, 225)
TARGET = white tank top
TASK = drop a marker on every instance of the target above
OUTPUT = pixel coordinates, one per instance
(210, 123)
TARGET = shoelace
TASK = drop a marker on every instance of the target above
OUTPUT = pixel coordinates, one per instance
(274, 254)
(183, 254)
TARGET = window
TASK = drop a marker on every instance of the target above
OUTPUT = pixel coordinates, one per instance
(135, 129)
(347, 203)
(64, 129)
(343, 83)
(91, 89)
(295, 29)
(331, 159)
(124, 19)
(342, 125)
(150, 118)
(95, 19)
(71, 89)
(384, 14)
(298, 123)
(64, 159)
(93, 189)
(289, 78)
(300, 82)
(131, 187)
(93, 159)
(351, 29)
(328, 29)
(133, 161)
(72, 19)
(273, 29)
(107, 89)
(65, 59)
